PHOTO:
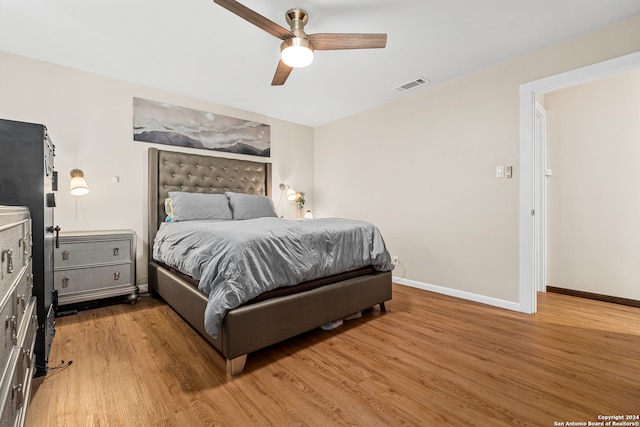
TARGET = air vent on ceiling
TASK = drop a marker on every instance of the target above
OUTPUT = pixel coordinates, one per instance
(411, 85)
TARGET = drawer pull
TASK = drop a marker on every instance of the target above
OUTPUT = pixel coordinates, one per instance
(8, 255)
(13, 324)
(65, 255)
(116, 251)
(116, 275)
(26, 353)
(22, 301)
(25, 250)
(24, 242)
(17, 389)
(65, 281)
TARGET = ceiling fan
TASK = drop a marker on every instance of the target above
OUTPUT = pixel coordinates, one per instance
(297, 46)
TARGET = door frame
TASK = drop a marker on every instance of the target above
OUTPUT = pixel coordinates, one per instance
(532, 173)
(540, 198)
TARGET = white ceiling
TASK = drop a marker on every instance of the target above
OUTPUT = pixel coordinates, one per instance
(197, 48)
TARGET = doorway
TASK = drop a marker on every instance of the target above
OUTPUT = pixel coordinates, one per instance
(532, 189)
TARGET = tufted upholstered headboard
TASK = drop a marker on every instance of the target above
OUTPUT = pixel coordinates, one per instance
(195, 173)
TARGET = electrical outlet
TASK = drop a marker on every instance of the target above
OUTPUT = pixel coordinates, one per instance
(395, 261)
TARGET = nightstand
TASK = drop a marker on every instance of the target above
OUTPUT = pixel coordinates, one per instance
(91, 265)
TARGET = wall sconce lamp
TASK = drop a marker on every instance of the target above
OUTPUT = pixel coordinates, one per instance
(291, 194)
(78, 186)
(294, 197)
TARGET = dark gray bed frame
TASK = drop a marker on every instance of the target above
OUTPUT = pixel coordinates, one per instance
(255, 326)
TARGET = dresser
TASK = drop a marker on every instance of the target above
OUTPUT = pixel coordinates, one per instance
(18, 315)
(91, 265)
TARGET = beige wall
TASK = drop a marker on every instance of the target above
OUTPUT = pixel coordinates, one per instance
(90, 121)
(423, 168)
(593, 214)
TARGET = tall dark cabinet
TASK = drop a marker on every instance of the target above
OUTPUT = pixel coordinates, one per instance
(27, 178)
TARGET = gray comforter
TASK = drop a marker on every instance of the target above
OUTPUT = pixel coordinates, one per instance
(234, 261)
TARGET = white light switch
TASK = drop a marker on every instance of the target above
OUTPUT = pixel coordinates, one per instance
(116, 179)
(499, 171)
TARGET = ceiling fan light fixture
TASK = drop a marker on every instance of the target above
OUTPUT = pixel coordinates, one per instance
(296, 52)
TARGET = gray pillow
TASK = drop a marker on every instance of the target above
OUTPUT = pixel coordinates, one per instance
(195, 206)
(250, 206)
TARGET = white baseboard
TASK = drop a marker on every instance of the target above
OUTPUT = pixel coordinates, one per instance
(509, 305)
(143, 288)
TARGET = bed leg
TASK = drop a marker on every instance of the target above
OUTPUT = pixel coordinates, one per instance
(385, 306)
(236, 365)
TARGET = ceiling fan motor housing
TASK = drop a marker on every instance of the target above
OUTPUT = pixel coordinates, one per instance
(297, 19)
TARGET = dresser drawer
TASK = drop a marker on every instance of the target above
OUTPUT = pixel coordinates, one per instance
(26, 371)
(12, 257)
(22, 295)
(26, 242)
(27, 360)
(16, 310)
(90, 278)
(28, 327)
(9, 325)
(78, 253)
(11, 390)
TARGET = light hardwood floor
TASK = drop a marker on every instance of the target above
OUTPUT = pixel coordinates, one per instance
(432, 360)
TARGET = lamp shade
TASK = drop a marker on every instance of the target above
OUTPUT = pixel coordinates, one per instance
(296, 52)
(291, 194)
(78, 186)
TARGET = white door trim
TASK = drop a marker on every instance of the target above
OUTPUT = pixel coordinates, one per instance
(529, 174)
(540, 199)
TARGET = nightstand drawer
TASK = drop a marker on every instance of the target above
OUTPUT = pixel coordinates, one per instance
(75, 254)
(91, 278)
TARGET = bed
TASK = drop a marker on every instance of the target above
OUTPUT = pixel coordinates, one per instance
(267, 319)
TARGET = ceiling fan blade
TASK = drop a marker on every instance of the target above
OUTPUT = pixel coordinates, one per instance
(282, 73)
(255, 18)
(336, 41)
